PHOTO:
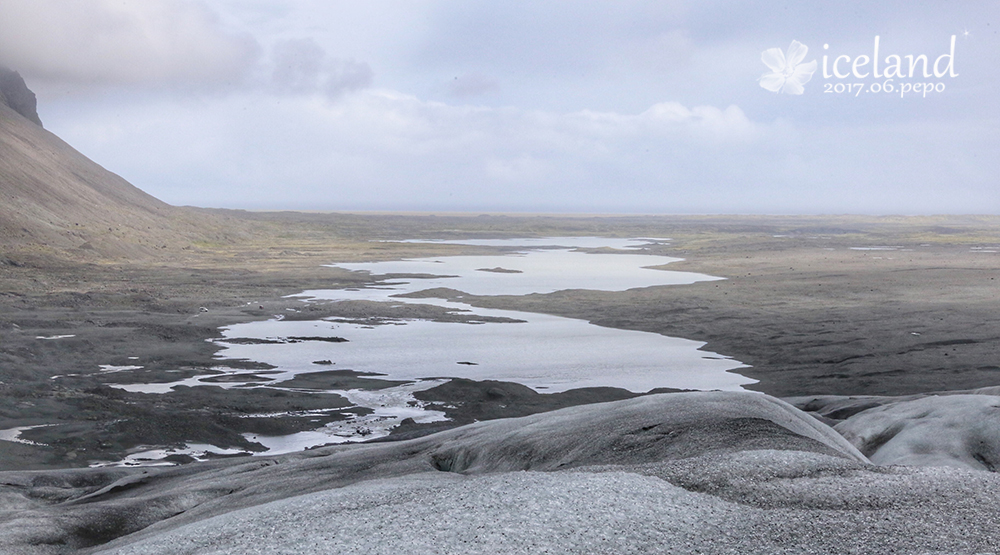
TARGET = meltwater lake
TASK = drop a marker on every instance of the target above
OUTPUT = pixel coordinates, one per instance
(547, 353)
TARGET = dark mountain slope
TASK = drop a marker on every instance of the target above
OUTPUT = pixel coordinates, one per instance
(55, 200)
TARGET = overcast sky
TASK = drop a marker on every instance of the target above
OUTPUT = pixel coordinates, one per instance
(622, 106)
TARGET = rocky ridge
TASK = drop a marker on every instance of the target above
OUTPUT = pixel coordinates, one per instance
(16, 95)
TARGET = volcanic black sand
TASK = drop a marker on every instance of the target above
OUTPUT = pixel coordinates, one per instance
(803, 305)
(853, 320)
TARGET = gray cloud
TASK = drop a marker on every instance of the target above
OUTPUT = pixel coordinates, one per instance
(302, 66)
(550, 37)
(148, 43)
(598, 109)
(297, 66)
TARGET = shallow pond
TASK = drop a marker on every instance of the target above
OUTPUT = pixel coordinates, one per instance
(547, 353)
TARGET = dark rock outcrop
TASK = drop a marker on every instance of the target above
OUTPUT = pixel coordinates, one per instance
(15, 94)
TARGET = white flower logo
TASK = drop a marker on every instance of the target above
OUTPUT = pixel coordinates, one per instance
(788, 74)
